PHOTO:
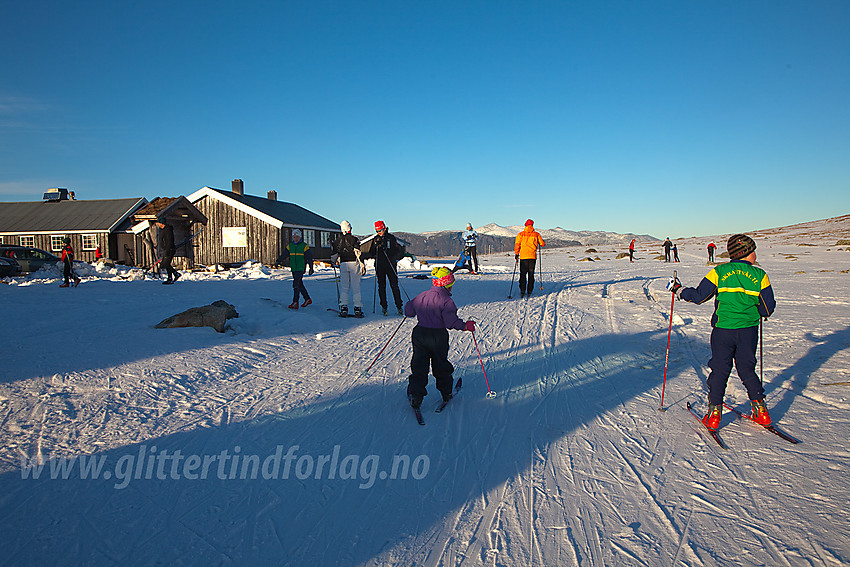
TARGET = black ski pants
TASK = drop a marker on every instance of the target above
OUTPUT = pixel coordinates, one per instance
(738, 345)
(473, 257)
(384, 272)
(166, 264)
(526, 273)
(430, 349)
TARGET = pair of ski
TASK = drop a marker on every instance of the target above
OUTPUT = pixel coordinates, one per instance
(418, 411)
(351, 315)
(716, 436)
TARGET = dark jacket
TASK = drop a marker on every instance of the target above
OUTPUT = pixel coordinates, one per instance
(385, 250)
(345, 245)
(68, 255)
(165, 239)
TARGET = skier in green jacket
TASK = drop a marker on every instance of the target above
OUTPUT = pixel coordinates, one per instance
(300, 258)
(743, 296)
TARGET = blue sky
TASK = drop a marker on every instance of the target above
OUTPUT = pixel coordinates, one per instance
(664, 118)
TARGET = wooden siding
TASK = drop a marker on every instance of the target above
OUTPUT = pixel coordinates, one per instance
(264, 241)
(42, 242)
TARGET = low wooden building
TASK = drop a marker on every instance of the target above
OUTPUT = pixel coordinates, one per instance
(90, 224)
(245, 227)
(186, 221)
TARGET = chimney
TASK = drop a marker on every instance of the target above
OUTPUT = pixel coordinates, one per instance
(272, 195)
(238, 187)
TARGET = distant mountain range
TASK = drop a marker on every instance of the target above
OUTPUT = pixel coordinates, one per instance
(495, 238)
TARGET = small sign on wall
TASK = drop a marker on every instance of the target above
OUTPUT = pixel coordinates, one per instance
(234, 237)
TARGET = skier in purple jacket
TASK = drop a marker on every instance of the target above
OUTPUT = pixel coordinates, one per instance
(436, 313)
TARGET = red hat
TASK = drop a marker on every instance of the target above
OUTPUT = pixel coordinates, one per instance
(379, 225)
(529, 222)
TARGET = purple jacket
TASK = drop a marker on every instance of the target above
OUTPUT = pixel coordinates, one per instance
(435, 309)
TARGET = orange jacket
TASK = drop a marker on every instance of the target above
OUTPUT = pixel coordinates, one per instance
(527, 242)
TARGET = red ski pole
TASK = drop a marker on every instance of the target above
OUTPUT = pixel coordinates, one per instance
(366, 372)
(490, 393)
(667, 356)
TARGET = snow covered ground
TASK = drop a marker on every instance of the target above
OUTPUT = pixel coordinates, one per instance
(265, 445)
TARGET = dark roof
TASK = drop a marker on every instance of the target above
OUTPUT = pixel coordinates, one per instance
(66, 216)
(287, 213)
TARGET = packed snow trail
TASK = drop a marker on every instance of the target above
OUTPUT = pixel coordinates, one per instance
(571, 464)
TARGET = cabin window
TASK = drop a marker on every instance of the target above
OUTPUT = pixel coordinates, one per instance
(28, 241)
(89, 242)
(310, 238)
(326, 239)
(56, 243)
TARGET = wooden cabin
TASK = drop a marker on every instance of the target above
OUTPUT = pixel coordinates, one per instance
(90, 224)
(186, 220)
(246, 227)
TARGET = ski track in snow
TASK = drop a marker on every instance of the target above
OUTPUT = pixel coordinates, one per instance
(571, 464)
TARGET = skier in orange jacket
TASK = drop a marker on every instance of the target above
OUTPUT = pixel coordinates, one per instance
(525, 251)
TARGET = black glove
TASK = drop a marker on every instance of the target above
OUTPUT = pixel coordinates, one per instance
(674, 285)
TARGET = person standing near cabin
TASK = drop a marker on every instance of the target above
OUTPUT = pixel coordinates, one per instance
(743, 296)
(300, 259)
(675, 253)
(385, 250)
(525, 251)
(165, 244)
(470, 243)
(632, 250)
(68, 264)
(345, 250)
(711, 248)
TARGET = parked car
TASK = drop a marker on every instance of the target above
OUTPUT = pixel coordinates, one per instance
(30, 259)
(9, 267)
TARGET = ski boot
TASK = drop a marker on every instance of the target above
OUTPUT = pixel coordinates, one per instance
(307, 302)
(760, 414)
(712, 418)
(384, 311)
(294, 305)
(358, 312)
(401, 311)
(63, 285)
(343, 310)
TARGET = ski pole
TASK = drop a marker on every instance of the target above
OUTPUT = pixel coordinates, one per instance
(512, 278)
(366, 372)
(540, 268)
(395, 272)
(490, 393)
(761, 350)
(667, 356)
(336, 280)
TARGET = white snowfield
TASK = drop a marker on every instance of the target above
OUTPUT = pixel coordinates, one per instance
(265, 445)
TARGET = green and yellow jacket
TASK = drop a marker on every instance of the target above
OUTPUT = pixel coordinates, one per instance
(298, 255)
(742, 295)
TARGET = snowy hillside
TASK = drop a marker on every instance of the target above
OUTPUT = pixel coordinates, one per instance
(586, 237)
(267, 445)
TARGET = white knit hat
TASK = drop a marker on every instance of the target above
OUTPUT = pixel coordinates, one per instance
(345, 226)
(296, 232)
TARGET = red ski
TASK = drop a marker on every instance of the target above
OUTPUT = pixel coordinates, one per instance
(711, 432)
(770, 428)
